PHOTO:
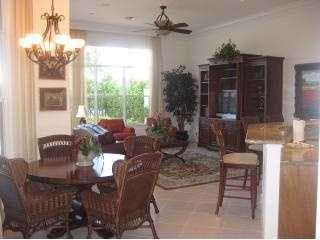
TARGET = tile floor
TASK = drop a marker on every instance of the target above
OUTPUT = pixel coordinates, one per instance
(189, 213)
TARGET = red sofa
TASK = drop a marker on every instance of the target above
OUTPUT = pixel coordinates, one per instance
(116, 126)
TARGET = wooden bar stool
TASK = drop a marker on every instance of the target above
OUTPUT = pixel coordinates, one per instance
(255, 148)
(246, 161)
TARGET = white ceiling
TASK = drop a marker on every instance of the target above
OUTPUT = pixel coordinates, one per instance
(199, 14)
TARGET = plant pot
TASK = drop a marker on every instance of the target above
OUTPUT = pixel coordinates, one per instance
(182, 135)
(85, 161)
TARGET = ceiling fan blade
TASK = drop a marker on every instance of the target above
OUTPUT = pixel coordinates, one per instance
(179, 25)
(151, 24)
(145, 30)
(184, 31)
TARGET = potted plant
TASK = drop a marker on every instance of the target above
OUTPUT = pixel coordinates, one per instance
(88, 151)
(180, 97)
(225, 53)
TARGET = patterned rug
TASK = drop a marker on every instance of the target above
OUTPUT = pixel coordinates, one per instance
(201, 167)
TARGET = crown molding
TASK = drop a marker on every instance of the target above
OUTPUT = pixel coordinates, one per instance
(267, 14)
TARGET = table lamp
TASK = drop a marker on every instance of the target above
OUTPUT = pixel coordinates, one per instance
(82, 114)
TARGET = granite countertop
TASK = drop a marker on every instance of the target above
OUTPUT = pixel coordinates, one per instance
(267, 133)
(281, 133)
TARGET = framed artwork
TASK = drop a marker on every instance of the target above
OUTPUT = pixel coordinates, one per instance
(307, 91)
(53, 99)
(46, 71)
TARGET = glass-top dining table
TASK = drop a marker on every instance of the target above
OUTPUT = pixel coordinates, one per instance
(64, 173)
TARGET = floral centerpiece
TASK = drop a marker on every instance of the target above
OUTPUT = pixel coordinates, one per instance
(159, 128)
(88, 151)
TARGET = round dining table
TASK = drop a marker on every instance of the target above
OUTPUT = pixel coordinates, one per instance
(60, 171)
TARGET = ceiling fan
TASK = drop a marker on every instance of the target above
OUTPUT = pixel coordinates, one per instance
(163, 25)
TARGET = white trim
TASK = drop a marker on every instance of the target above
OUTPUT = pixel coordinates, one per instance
(318, 199)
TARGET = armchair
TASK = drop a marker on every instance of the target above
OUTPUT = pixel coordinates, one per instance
(116, 126)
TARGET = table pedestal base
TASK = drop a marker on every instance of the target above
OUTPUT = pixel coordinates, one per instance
(77, 219)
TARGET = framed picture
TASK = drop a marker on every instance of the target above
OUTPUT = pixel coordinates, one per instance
(53, 99)
(46, 71)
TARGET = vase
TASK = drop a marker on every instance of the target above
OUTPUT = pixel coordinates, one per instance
(85, 161)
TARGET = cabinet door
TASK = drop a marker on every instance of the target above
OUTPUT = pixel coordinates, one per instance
(254, 88)
(273, 102)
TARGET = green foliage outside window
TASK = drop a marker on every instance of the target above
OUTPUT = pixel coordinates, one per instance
(110, 100)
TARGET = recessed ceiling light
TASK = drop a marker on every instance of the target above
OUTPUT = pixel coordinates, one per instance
(130, 18)
(91, 13)
(105, 4)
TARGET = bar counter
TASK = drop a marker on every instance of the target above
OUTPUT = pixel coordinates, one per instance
(289, 179)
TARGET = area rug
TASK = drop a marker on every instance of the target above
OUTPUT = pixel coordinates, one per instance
(199, 168)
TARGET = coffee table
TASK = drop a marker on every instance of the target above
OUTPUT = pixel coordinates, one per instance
(175, 143)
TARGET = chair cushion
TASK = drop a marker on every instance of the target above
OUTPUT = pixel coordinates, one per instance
(241, 158)
(256, 147)
(112, 125)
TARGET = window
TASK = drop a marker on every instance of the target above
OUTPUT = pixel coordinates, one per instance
(117, 83)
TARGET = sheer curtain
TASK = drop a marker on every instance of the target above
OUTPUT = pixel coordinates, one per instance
(78, 80)
(17, 82)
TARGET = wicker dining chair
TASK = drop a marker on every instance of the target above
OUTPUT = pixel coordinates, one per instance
(28, 209)
(246, 161)
(137, 145)
(128, 207)
(59, 146)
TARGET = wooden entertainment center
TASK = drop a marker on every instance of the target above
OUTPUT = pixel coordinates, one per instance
(250, 85)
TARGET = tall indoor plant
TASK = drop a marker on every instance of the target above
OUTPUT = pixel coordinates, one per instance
(180, 97)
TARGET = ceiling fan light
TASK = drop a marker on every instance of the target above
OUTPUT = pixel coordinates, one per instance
(77, 43)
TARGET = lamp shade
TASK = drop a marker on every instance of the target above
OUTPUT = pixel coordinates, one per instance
(81, 112)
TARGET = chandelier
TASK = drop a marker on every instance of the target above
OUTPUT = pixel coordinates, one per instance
(52, 50)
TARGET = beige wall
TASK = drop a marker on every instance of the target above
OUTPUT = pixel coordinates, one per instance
(52, 122)
(292, 33)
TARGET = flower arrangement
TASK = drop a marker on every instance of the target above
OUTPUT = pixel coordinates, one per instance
(88, 151)
(159, 128)
(87, 146)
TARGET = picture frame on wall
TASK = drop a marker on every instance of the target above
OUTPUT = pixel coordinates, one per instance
(53, 99)
(46, 72)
